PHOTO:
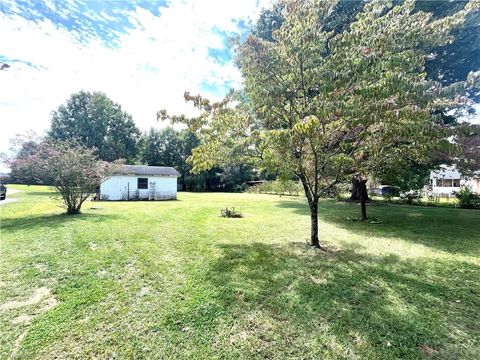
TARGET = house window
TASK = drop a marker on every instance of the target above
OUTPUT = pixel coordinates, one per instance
(456, 182)
(142, 183)
(444, 182)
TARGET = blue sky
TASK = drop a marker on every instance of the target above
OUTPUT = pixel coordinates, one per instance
(143, 54)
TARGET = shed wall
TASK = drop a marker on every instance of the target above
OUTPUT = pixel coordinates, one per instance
(124, 187)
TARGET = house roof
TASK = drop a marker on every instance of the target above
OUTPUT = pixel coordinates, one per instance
(446, 174)
(147, 170)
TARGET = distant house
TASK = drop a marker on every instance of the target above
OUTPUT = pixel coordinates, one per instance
(139, 182)
(446, 181)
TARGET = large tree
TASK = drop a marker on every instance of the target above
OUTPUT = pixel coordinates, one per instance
(96, 122)
(321, 105)
(169, 147)
(468, 141)
(447, 63)
(162, 148)
(452, 62)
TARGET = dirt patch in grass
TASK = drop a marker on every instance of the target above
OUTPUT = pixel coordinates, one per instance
(22, 319)
(427, 350)
(16, 345)
(37, 296)
(42, 296)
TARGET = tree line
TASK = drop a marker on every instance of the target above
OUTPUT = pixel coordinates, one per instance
(94, 121)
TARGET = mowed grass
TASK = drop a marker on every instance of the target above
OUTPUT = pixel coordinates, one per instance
(145, 280)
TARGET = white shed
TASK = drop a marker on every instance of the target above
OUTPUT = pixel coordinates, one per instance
(139, 182)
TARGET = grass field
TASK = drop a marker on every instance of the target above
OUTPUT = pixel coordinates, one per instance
(172, 279)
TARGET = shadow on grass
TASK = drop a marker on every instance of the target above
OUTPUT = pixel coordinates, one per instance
(447, 229)
(343, 304)
(39, 193)
(51, 221)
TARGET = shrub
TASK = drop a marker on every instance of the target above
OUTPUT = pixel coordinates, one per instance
(412, 197)
(387, 196)
(434, 198)
(73, 171)
(467, 199)
(230, 213)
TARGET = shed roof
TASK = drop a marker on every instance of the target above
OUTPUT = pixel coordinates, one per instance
(147, 170)
(446, 173)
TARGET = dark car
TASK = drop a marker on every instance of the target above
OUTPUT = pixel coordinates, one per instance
(3, 192)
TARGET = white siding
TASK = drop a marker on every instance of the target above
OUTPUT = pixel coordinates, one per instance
(119, 187)
(448, 190)
(476, 185)
(449, 173)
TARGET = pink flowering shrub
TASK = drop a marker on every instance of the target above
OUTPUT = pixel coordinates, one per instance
(72, 169)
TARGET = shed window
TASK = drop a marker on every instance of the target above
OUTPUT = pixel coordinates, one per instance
(142, 183)
(456, 182)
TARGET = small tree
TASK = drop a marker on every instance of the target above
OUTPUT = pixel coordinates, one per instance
(72, 169)
(322, 106)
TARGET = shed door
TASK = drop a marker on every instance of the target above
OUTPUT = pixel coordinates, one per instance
(151, 186)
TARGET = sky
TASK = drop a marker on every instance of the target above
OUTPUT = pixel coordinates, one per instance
(142, 54)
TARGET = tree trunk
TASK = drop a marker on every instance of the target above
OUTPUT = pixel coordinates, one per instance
(357, 188)
(314, 224)
(73, 210)
(313, 205)
(363, 200)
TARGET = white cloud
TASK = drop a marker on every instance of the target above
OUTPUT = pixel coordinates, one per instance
(149, 68)
(475, 119)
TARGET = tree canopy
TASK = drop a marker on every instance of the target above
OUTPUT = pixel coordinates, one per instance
(96, 122)
(468, 140)
(162, 147)
(447, 63)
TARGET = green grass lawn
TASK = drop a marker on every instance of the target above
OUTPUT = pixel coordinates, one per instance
(175, 280)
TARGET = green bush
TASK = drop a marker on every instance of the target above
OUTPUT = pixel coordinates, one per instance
(412, 197)
(387, 197)
(467, 199)
(230, 213)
